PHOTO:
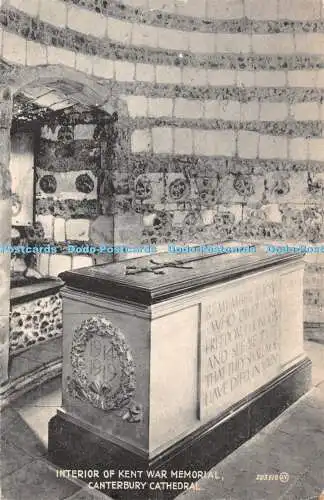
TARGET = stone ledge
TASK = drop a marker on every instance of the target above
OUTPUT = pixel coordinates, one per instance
(314, 332)
(40, 288)
(23, 379)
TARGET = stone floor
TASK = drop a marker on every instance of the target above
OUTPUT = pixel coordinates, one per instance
(291, 449)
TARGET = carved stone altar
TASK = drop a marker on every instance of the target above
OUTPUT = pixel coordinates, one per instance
(171, 363)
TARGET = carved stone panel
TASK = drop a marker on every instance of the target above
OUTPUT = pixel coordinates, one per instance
(103, 369)
(240, 343)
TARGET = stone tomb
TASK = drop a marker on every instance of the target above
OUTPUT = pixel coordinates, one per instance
(171, 364)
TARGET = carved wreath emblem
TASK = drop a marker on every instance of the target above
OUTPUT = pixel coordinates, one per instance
(209, 190)
(84, 184)
(48, 184)
(244, 185)
(16, 204)
(100, 393)
(143, 188)
(280, 186)
(178, 189)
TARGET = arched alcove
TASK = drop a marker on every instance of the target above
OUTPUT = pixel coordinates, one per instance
(88, 88)
(51, 90)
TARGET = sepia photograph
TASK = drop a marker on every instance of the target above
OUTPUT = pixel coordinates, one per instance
(162, 249)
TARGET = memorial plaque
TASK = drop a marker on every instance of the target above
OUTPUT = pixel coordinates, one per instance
(240, 344)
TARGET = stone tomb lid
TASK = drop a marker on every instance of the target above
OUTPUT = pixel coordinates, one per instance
(157, 277)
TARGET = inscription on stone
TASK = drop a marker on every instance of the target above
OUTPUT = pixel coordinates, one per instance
(240, 344)
(103, 363)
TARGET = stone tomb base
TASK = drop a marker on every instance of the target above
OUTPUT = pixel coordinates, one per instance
(73, 447)
(172, 371)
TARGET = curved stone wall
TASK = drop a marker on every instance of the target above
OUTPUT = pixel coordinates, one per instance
(230, 9)
(220, 103)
